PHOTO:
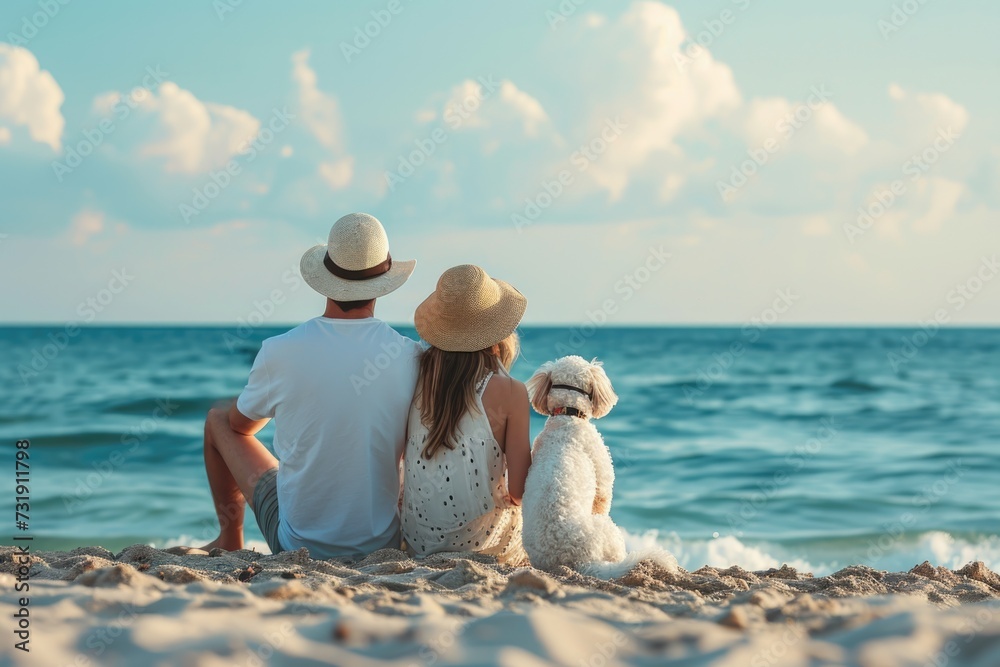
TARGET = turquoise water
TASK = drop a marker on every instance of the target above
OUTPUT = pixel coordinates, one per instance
(817, 447)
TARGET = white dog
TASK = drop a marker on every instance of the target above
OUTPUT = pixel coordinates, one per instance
(567, 496)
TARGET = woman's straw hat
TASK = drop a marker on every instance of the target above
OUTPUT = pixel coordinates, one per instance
(355, 265)
(469, 311)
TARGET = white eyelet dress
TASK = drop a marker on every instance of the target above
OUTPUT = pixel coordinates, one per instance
(456, 500)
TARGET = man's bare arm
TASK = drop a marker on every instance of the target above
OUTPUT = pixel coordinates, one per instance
(242, 424)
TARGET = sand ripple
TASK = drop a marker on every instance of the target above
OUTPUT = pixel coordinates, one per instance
(146, 606)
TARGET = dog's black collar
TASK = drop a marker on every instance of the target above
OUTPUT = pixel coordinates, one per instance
(572, 388)
(572, 412)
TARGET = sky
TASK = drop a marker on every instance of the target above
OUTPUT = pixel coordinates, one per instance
(618, 162)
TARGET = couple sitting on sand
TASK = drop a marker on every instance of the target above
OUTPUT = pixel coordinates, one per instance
(448, 410)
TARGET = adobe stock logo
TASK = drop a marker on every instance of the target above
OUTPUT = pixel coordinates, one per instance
(76, 152)
(582, 159)
(31, 25)
(454, 116)
(374, 367)
(87, 310)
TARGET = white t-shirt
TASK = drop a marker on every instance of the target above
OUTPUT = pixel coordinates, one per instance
(339, 392)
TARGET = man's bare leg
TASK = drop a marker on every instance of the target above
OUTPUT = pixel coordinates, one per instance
(234, 462)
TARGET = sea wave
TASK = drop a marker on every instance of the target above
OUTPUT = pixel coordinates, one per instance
(899, 555)
(850, 384)
(937, 547)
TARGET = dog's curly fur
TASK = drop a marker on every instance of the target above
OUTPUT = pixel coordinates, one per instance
(567, 496)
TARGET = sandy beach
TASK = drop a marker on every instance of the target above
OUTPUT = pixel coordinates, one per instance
(146, 606)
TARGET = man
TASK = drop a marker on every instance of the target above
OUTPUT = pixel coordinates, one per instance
(339, 388)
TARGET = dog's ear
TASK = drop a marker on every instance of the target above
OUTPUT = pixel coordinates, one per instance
(605, 397)
(538, 388)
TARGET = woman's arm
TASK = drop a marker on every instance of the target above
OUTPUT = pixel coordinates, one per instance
(517, 446)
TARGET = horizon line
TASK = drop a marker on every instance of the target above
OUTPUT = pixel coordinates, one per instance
(536, 325)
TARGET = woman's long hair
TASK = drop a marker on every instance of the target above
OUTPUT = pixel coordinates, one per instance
(446, 387)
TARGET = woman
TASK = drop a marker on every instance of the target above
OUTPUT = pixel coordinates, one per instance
(467, 450)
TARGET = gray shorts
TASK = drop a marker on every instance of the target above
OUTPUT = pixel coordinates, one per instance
(265, 508)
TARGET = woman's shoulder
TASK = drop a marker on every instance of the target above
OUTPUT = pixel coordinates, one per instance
(505, 389)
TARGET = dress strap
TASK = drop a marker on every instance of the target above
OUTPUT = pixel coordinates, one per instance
(482, 385)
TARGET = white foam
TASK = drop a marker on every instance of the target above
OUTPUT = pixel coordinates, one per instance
(721, 552)
(638, 551)
(940, 548)
(943, 549)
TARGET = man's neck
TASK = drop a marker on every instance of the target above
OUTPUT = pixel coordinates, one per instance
(333, 311)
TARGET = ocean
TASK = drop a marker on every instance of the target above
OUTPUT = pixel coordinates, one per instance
(754, 446)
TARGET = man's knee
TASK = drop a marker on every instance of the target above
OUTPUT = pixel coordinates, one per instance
(217, 417)
(224, 404)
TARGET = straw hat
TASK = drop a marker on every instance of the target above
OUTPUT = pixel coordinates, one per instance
(469, 311)
(355, 265)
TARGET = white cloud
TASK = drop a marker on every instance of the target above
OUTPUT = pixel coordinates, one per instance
(856, 261)
(320, 113)
(337, 173)
(463, 106)
(686, 127)
(816, 226)
(30, 97)
(194, 136)
(526, 107)
(104, 103)
(833, 131)
(675, 100)
(658, 98)
(85, 224)
(424, 116)
(814, 126)
(4, 136)
(836, 282)
(922, 115)
(446, 187)
(939, 197)
(671, 186)
(476, 104)
(762, 117)
(923, 208)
